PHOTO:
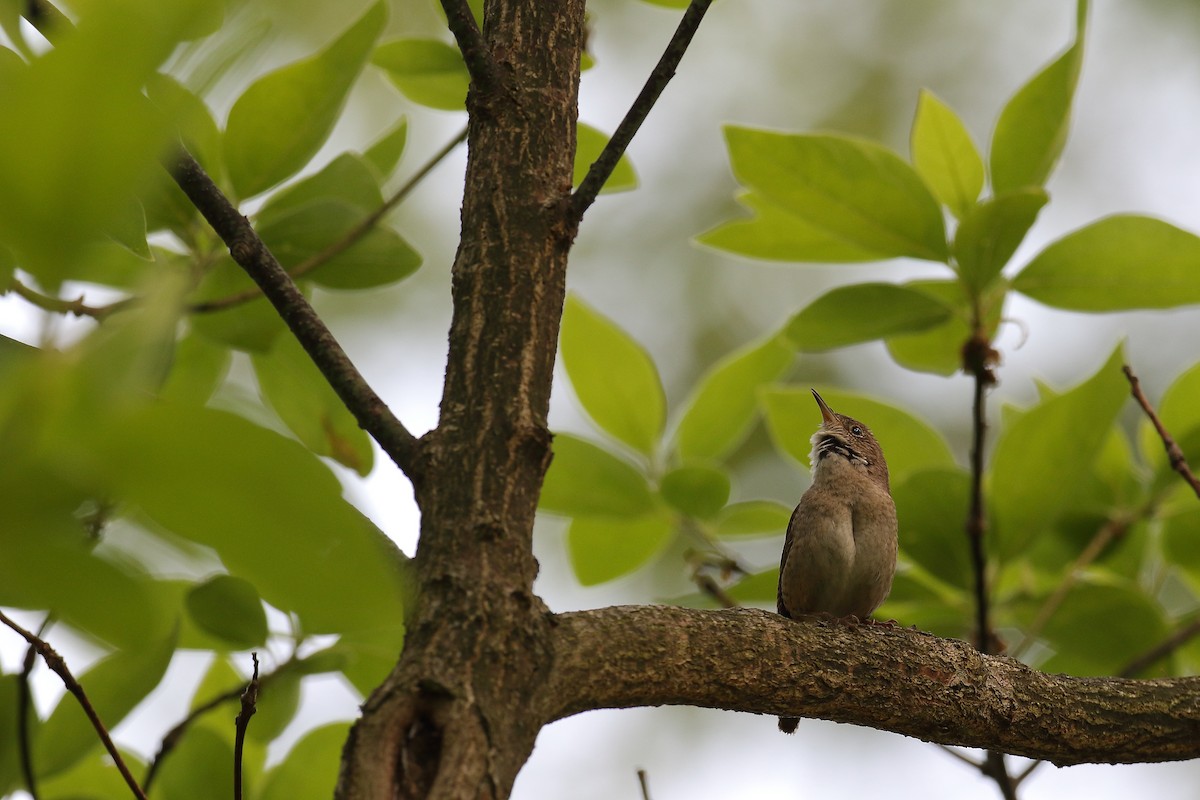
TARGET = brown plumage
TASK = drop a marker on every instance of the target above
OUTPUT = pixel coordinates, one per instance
(839, 555)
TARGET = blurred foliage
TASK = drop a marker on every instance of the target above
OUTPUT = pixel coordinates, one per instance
(119, 431)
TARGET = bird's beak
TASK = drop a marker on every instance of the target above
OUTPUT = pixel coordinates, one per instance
(826, 412)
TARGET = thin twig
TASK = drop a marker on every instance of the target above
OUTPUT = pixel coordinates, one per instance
(59, 667)
(1161, 650)
(1025, 773)
(1174, 453)
(1109, 531)
(963, 757)
(347, 241)
(710, 587)
(260, 264)
(660, 76)
(480, 64)
(978, 360)
(249, 706)
(24, 706)
(996, 768)
(56, 305)
(644, 782)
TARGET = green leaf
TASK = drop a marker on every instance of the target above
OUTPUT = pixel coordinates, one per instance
(81, 141)
(379, 258)
(1032, 128)
(1118, 263)
(724, 406)
(908, 443)
(1179, 411)
(937, 350)
(128, 229)
(384, 154)
(93, 777)
(1131, 623)
(586, 480)
(604, 549)
(1044, 456)
(114, 685)
(191, 118)
(426, 71)
(861, 313)
(852, 190)
(251, 494)
(280, 122)
(278, 702)
(310, 770)
(230, 609)
(251, 326)
(696, 490)
(991, 232)
(197, 369)
(932, 507)
(945, 156)
(616, 382)
(1181, 544)
(761, 588)
(589, 142)
(199, 764)
(347, 178)
(308, 405)
(9, 763)
(753, 518)
(776, 235)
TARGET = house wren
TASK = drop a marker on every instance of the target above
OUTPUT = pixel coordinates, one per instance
(839, 555)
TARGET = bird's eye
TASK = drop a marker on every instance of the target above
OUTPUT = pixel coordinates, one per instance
(856, 430)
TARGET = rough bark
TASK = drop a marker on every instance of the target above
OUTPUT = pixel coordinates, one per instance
(454, 719)
(894, 679)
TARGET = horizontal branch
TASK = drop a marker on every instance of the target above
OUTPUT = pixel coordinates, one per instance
(249, 252)
(893, 679)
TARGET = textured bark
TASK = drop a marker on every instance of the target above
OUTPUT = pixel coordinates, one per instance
(894, 679)
(454, 718)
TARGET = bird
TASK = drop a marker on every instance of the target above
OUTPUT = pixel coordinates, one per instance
(839, 554)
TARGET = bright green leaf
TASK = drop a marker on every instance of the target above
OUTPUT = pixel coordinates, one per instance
(114, 685)
(945, 156)
(776, 235)
(1032, 128)
(197, 369)
(191, 118)
(861, 313)
(612, 375)
(251, 494)
(93, 777)
(589, 142)
(1118, 263)
(586, 480)
(229, 608)
(308, 405)
(310, 770)
(384, 154)
(761, 588)
(931, 506)
(719, 414)
(1181, 544)
(379, 258)
(753, 518)
(278, 702)
(851, 189)
(427, 71)
(128, 229)
(1044, 456)
(604, 549)
(908, 443)
(991, 232)
(347, 178)
(696, 490)
(280, 122)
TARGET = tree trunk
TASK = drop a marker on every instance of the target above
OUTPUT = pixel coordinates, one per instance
(459, 714)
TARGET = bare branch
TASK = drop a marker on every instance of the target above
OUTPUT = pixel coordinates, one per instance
(1174, 453)
(904, 681)
(59, 667)
(249, 706)
(660, 76)
(480, 63)
(252, 255)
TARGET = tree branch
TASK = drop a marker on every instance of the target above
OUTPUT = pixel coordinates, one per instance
(480, 62)
(1174, 453)
(252, 255)
(59, 667)
(660, 76)
(904, 681)
(241, 724)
